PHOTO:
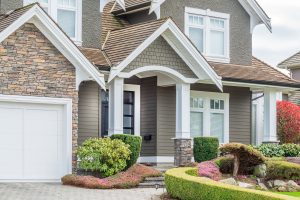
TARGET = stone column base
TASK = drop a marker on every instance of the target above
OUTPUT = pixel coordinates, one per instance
(183, 152)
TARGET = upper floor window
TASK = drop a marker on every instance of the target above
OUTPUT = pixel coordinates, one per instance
(209, 31)
(67, 13)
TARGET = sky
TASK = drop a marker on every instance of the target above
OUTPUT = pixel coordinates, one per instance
(284, 40)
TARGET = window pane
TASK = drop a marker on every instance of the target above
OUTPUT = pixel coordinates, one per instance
(128, 122)
(128, 109)
(128, 131)
(73, 3)
(217, 126)
(66, 19)
(196, 35)
(217, 43)
(196, 20)
(128, 97)
(217, 23)
(222, 105)
(196, 124)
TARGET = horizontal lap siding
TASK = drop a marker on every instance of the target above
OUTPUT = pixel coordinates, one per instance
(166, 119)
(88, 111)
(148, 115)
(239, 111)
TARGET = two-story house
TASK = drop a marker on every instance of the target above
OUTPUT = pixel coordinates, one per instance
(167, 70)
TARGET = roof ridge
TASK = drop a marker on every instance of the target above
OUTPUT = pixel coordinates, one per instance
(142, 23)
(274, 68)
(294, 54)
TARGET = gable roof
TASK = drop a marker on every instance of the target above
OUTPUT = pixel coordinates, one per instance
(259, 72)
(94, 55)
(122, 46)
(257, 14)
(33, 13)
(291, 62)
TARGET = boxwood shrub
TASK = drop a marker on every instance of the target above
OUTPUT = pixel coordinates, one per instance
(183, 186)
(135, 144)
(283, 170)
(205, 148)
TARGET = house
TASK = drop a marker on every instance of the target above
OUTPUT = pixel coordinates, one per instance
(293, 65)
(165, 70)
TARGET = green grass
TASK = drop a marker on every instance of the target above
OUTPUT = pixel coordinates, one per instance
(294, 194)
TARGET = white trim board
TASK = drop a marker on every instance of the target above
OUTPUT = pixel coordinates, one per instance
(67, 125)
(182, 45)
(137, 106)
(85, 70)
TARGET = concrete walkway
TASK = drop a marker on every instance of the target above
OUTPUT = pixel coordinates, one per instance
(48, 191)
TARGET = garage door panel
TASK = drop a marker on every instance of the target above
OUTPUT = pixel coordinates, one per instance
(11, 167)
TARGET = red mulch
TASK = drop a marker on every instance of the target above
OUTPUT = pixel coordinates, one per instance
(128, 179)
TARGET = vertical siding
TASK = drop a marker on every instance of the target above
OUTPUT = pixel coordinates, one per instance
(148, 115)
(239, 111)
(166, 119)
(88, 112)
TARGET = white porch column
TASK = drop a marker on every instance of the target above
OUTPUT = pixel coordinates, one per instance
(116, 93)
(270, 116)
(183, 111)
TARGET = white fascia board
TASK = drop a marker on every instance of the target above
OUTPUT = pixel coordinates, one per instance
(155, 4)
(257, 15)
(169, 24)
(122, 4)
(50, 29)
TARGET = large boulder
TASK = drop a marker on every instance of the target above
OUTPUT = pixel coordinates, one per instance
(229, 181)
(260, 171)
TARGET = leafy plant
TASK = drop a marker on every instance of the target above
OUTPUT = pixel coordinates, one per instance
(210, 170)
(274, 150)
(135, 144)
(245, 157)
(288, 122)
(105, 156)
(205, 148)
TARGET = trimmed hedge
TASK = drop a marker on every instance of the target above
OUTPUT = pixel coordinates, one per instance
(186, 187)
(135, 145)
(283, 170)
(205, 148)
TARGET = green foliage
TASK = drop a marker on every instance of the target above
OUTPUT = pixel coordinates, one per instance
(205, 148)
(247, 155)
(105, 156)
(186, 187)
(135, 144)
(225, 164)
(282, 170)
(284, 150)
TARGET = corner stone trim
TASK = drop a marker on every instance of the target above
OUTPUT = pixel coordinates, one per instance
(183, 152)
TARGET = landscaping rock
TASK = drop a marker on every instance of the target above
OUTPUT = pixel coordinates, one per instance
(293, 186)
(270, 184)
(260, 171)
(279, 183)
(281, 189)
(263, 187)
(229, 181)
(246, 185)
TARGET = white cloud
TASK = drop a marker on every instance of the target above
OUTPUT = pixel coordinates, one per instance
(285, 39)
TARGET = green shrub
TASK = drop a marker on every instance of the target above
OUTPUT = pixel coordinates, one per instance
(186, 187)
(135, 144)
(282, 170)
(105, 156)
(245, 157)
(205, 148)
(284, 150)
(225, 164)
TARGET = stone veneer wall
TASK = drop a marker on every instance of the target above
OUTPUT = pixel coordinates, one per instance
(31, 66)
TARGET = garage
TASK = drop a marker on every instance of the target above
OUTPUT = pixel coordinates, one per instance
(33, 141)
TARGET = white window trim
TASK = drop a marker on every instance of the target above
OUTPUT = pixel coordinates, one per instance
(207, 15)
(67, 121)
(207, 96)
(52, 10)
(137, 106)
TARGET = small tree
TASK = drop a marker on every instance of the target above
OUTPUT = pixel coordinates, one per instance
(288, 122)
(245, 157)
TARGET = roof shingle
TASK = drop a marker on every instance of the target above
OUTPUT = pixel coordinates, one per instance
(131, 5)
(95, 56)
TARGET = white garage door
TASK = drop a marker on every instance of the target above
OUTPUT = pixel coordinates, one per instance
(31, 142)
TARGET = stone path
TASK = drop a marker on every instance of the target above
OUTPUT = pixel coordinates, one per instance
(48, 191)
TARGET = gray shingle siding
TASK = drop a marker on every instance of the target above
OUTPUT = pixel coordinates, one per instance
(240, 36)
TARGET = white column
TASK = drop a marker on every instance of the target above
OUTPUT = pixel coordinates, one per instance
(270, 118)
(116, 93)
(183, 111)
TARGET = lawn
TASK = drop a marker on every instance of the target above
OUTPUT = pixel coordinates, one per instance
(294, 194)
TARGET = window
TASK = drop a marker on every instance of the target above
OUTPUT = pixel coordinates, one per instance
(67, 13)
(210, 115)
(128, 119)
(209, 31)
